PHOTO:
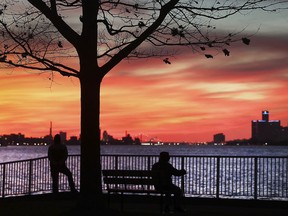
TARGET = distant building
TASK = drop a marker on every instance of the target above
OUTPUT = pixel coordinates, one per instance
(73, 141)
(219, 138)
(267, 131)
(126, 140)
(20, 139)
(63, 136)
(107, 138)
(12, 139)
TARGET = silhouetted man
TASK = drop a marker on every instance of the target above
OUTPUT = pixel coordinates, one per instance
(57, 154)
(163, 172)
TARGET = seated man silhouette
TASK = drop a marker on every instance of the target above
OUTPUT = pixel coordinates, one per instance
(162, 177)
(57, 154)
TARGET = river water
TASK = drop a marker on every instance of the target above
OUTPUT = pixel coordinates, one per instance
(15, 153)
(235, 175)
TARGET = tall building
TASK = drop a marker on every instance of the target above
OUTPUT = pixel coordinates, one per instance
(265, 130)
(63, 136)
(219, 138)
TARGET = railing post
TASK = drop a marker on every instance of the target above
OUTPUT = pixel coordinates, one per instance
(218, 177)
(255, 178)
(116, 162)
(30, 176)
(149, 162)
(3, 182)
(182, 177)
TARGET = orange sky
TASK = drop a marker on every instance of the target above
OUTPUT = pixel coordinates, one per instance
(189, 100)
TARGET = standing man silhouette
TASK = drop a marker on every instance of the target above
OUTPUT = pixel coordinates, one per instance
(163, 172)
(57, 154)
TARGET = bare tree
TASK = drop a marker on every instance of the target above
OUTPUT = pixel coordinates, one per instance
(42, 34)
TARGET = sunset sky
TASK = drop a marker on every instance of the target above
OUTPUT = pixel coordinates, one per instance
(189, 100)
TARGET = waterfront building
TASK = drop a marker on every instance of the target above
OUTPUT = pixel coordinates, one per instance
(63, 136)
(73, 141)
(20, 139)
(266, 131)
(219, 138)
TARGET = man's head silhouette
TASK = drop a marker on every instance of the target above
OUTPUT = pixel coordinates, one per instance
(164, 156)
(57, 139)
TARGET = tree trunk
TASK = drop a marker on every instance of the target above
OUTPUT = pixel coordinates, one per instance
(90, 80)
(90, 173)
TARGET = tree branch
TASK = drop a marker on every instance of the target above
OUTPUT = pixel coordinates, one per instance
(134, 44)
(57, 21)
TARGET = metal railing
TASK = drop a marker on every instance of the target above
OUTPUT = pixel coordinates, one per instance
(207, 176)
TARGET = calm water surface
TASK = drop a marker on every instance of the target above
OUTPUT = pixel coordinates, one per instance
(14, 153)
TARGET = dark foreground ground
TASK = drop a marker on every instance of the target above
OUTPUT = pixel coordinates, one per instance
(68, 205)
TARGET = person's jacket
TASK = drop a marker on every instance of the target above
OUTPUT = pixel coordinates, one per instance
(57, 154)
(162, 174)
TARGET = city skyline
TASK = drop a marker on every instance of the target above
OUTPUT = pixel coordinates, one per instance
(190, 99)
(218, 136)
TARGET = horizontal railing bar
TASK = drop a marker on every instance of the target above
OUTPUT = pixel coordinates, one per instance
(146, 155)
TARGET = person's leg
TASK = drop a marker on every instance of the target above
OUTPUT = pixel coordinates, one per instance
(178, 197)
(69, 175)
(166, 198)
(55, 179)
(167, 202)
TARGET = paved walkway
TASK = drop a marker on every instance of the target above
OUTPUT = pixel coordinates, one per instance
(202, 206)
(67, 205)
